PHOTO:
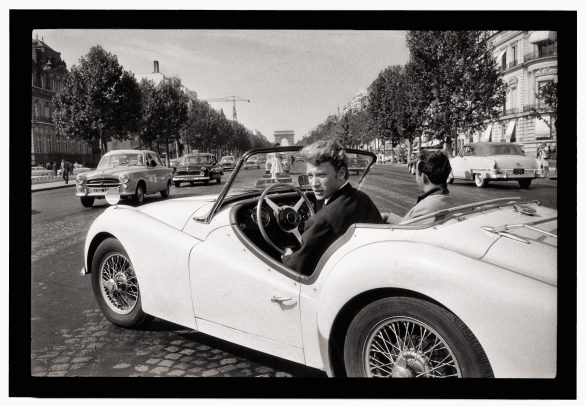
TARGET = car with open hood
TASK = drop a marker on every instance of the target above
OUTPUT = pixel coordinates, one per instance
(133, 173)
(470, 293)
(484, 162)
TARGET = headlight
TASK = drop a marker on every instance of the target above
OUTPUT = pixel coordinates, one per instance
(79, 178)
(203, 168)
(124, 178)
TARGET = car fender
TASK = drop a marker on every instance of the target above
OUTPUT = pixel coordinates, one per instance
(479, 165)
(160, 259)
(510, 314)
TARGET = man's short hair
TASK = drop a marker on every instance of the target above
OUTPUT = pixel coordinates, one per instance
(435, 164)
(326, 151)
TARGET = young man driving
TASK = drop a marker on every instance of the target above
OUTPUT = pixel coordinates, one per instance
(338, 205)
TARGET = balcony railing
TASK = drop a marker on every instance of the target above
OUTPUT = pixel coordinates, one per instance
(537, 107)
(542, 54)
(510, 111)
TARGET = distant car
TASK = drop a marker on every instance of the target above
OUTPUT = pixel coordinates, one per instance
(135, 173)
(228, 162)
(262, 160)
(80, 169)
(40, 171)
(356, 163)
(199, 167)
(252, 163)
(484, 162)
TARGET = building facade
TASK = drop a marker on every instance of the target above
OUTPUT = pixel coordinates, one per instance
(48, 75)
(528, 61)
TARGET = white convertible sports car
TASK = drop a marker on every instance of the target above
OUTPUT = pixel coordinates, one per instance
(472, 294)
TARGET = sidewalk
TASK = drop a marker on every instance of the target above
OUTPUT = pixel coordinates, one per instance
(51, 185)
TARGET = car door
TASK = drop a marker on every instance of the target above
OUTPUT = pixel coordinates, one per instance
(238, 297)
(151, 173)
(161, 173)
(458, 164)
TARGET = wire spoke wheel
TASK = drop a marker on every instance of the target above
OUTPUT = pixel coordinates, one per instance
(118, 284)
(403, 347)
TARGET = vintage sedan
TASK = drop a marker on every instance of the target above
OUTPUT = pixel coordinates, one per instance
(484, 162)
(197, 167)
(228, 162)
(252, 163)
(469, 291)
(356, 163)
(134, 173)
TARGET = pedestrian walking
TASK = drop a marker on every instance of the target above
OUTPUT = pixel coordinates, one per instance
(65, 170)
(543, 154)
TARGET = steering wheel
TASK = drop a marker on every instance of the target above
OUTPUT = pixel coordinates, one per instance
(288, 218)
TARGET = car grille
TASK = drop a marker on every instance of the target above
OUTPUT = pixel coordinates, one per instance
(193, 173)
(104, 182)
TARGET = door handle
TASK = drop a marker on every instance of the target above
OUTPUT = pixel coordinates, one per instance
(280, 299)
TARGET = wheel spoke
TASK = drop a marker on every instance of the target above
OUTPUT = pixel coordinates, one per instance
(298, 204)
(297, 234)
(272, 205)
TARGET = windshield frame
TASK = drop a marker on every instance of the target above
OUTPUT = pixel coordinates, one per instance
(240, 163)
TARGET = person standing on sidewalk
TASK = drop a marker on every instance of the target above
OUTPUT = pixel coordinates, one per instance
(65, 168)
(55, 168)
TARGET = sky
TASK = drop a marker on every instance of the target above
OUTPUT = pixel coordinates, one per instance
(294, 79)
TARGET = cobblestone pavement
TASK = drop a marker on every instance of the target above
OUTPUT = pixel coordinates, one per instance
(94, 350)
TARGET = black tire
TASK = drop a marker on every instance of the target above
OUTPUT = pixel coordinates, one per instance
(139, 194)
(110, 300)
(465, 352)
(87, 201)
(165, 193)
(219, 180)
(206, 182)
(480, 181)
(524, 183)
(177, 184)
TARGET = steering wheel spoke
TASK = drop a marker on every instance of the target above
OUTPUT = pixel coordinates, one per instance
(272, 205)
(297, 234)
(298, 204)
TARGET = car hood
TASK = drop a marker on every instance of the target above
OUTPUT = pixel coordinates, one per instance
(176, 212)
(98, 173)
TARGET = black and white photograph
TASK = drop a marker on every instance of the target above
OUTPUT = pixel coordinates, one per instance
(328, 195)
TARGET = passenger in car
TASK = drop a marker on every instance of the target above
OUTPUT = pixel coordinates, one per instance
(432, 171)
(338, 205)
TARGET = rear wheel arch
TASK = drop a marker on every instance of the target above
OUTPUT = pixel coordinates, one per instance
(347, 313)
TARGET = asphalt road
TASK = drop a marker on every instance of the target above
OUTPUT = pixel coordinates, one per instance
(70, 337)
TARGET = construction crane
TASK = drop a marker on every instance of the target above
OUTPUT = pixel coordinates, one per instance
(232, 99)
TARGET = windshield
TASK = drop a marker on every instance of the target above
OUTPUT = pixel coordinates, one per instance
(498, 149)
(111, 161)
(195, 160)
(283, 167)
(227, 159)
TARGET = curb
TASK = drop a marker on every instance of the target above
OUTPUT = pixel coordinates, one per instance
(52, 187)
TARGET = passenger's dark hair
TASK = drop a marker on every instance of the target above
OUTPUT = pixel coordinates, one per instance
(435, 164)
(326, 151)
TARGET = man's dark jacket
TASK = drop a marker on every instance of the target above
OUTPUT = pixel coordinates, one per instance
(345, 207)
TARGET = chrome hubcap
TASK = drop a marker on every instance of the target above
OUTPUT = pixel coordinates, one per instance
(402, 347)
(119, 286)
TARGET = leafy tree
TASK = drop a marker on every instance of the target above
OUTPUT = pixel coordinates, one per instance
(99, 100)
(547, 94)
(459, 80)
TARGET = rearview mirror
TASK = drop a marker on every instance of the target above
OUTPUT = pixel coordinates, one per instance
(303, 180)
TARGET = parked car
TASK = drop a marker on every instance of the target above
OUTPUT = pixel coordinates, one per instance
(485, 162)
(252, 163)
(356, 163)
(228, 162)
(40, 171)
(198, 167)
(469, 291)
(135, 173)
